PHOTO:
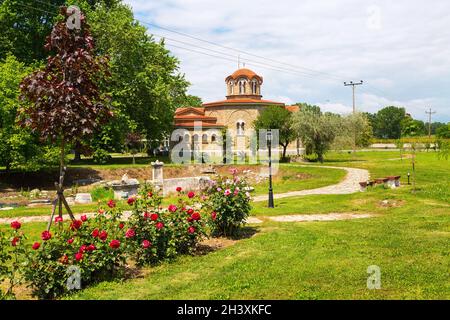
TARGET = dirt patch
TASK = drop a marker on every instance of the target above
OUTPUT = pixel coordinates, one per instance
(391, 203)
(214, 244)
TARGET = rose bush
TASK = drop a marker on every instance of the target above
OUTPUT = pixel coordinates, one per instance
(97, 246)
(229, 204)
(163, 233)
(12, 256)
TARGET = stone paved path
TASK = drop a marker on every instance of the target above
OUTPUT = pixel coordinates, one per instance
(350, 184)
(311, 217)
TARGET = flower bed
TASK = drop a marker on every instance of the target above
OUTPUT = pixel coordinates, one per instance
(79, 253)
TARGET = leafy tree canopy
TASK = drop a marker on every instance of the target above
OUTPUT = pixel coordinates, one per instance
(275, 117)
(316, 130)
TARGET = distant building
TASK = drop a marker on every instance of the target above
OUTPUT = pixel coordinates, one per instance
(237, 113)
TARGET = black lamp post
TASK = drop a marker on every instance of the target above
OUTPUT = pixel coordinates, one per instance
(269, 145)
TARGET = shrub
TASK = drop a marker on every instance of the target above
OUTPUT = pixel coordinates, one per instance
(96, 247)
(229, 204)
(12, 253)
(101, 156)
(164, 233)
(102, 193)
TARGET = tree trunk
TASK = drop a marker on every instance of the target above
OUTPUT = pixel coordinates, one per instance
(284, 150)
(61, 160)
(78, 150)
(320, 157)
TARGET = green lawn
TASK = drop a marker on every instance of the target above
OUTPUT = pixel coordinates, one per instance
(409, 241)
(326, 260)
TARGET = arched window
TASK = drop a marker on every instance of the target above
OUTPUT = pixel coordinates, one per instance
(231, 87)
(242, 87)
(195, 138)
(240, 128)
(186, 138)
(254, 86)
(204, 138)
(213, 138)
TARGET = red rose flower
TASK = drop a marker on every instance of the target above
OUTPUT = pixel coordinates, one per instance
(36, 246)
(131, 200)
(78, 256)
(103, 235)
(70, 241)
(76, 224)
(191, 194)
(58, 219)
(213, 215)
(179, 189)
(146, 215)
(130, 233)
(191, 230)
(154, 217)
(121, 225)
(173, 208)
(150, 194)
(91, 247)
(16, 225)
(196, 216)
(146, 244)
(95, 233)
(111, 204)
(83, 248)
(159, 225)
(14, 241)
(114, 244)
(101, 211)
(190, 219)
(83, 218)
(46, 235)
(190, 211)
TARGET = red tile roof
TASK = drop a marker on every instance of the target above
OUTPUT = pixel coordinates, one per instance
(292, 108)
(244, 72)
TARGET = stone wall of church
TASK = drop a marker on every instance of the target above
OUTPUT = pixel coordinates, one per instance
(230, 115)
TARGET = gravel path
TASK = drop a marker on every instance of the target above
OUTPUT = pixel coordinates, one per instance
(350, 184)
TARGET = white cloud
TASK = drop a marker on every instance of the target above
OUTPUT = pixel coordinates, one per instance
(400, 49)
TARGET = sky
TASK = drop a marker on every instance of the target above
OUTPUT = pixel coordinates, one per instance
(306, 49)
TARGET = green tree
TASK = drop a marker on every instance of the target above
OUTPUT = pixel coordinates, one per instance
(353, 126)
(146, 86)
(27, 23)
(275, 117)
(317, 131)
(19, 148)
(388, 122)
(444, 132)
(412, 127)
(193, 101)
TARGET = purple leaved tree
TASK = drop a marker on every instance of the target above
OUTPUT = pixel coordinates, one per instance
(62, 102)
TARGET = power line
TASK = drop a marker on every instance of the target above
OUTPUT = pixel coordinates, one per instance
(308, 73)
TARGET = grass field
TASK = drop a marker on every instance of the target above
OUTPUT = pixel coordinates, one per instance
(408, 239)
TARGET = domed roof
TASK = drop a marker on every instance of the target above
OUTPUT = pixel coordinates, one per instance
(244, 72)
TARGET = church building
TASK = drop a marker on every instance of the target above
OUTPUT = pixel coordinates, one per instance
(236, 113)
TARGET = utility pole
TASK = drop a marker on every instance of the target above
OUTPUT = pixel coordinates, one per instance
(353, 84)
(429, 121)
